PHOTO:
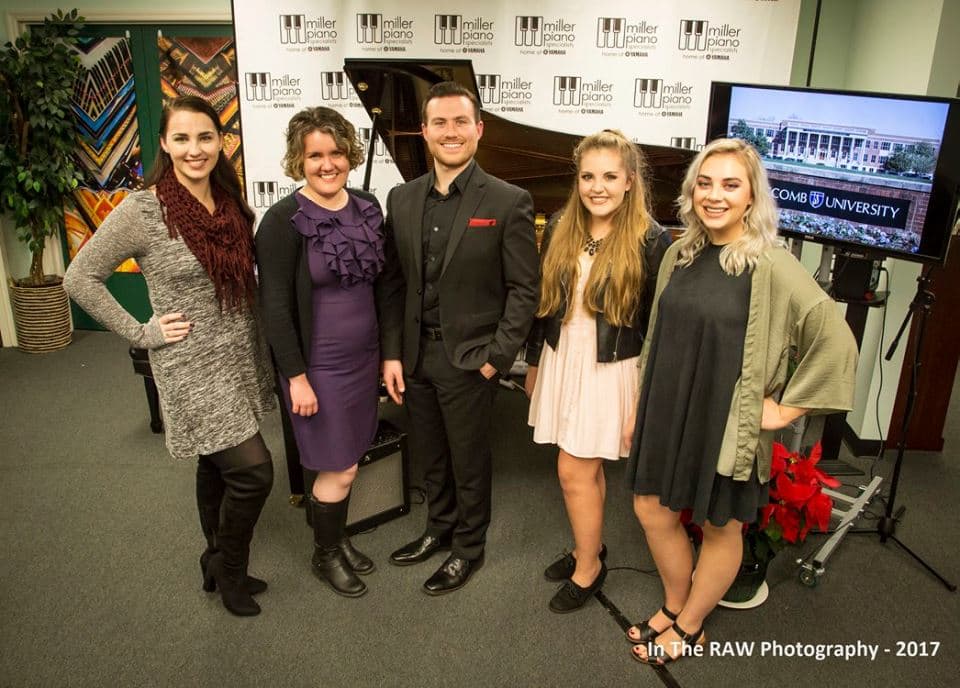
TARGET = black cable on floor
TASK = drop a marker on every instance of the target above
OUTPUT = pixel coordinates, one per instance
(624, 623)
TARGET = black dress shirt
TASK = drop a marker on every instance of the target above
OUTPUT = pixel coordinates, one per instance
(439, 212)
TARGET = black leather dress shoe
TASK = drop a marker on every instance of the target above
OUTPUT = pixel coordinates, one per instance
(571, 597)
(453, 575)
(563, 568)
(419, 550)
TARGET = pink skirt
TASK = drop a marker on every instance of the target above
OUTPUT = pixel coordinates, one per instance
(581, 405)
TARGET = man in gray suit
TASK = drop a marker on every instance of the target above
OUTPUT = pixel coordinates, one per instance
(457, 298)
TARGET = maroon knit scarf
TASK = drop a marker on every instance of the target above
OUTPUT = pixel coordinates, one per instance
(222, 242)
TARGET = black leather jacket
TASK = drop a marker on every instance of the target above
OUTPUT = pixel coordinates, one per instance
(613, 343)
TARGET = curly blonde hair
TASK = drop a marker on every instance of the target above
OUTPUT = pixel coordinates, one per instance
(617, 276)
(759, 222)
(327, 121)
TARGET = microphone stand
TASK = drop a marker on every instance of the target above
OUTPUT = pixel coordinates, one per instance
(887, 525)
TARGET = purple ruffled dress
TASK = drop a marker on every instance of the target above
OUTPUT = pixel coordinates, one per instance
(345, 253)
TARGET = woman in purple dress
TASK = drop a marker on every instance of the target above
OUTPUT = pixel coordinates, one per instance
(319, 251)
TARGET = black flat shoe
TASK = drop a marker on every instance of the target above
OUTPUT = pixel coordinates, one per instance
(571, 597)
(419, 550)
(648, 632)
(660, 656)
(563, 568)
(452, 575)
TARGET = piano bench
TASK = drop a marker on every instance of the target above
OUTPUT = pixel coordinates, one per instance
(141, 366)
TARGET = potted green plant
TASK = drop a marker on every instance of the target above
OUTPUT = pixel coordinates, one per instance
(38, 173)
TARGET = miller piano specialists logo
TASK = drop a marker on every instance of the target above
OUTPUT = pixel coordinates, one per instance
(504, 94)
(653, 97)
(537, 36)
(302, 33)
(265, 193)
(392, 34)
(621, 38)
(698, 39)
(269, 89)
(575, 95)
(459, 35)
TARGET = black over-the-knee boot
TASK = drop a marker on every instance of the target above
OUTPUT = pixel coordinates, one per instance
(210, 490)
(246, 492)
(329, 562)
(359, 562)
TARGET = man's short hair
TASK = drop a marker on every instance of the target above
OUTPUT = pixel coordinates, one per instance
(449, 88)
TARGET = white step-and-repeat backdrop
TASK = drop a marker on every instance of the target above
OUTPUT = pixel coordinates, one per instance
(642, 66)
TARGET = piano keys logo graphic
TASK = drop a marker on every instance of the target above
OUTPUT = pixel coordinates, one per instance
(666, 99)
(500, 94)
(277, 90)
(610, 32)
(265, 193)
(698, 36)
(316, 33)
(573, 94)
(533, 31)
(392, 34)
(379, 149)
(293, 28)
(335, 86)
(461, 35)
(688, 142)
(617, 34)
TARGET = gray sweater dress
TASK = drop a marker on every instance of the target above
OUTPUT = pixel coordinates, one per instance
(216, 384)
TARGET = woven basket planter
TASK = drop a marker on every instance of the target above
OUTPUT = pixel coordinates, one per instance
(42, 317)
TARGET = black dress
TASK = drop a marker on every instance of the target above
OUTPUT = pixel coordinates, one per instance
(694, 362)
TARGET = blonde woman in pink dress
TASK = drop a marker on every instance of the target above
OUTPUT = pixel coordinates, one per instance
(599, 266)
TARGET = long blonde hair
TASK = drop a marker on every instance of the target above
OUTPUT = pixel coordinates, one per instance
(617, 276)
(759, 222)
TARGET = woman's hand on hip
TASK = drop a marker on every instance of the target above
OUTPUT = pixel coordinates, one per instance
(303, 401)
(174, 327)
(777, 416)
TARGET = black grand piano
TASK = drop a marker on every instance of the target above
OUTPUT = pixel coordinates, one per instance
(539, 160)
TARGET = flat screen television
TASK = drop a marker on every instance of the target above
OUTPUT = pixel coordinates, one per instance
(874, 174)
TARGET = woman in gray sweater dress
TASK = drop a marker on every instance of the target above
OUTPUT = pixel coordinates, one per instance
(192, 235)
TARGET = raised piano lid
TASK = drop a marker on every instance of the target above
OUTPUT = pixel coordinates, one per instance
(538, 160)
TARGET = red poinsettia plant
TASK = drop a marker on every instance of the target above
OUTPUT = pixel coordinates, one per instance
(797, 504)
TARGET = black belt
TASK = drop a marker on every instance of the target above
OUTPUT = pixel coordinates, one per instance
(432, 333)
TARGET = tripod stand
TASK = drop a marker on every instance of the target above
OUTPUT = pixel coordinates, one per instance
(887, 525)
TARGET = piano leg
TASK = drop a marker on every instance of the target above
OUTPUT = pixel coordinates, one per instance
(153, 401)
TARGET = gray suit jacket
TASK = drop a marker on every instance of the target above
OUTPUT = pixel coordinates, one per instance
(489, 285)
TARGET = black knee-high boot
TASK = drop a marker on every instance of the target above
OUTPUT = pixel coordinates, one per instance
(329, 562)
(210, 490)
(246, 492)
(359, 562)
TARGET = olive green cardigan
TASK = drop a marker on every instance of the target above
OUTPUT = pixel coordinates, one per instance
(790, 315)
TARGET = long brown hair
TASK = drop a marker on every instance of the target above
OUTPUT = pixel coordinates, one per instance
(617, 276)
(223, 175)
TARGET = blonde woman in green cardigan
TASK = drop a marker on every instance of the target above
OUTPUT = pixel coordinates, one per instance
(731, 307)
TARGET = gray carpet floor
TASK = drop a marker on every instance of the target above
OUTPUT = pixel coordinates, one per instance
(99, 582)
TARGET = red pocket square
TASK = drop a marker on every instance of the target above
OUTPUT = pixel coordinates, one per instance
(482, 222)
